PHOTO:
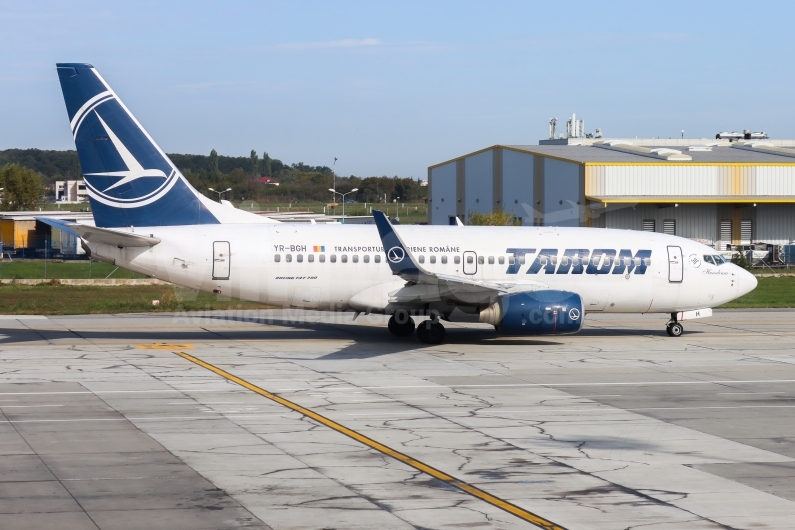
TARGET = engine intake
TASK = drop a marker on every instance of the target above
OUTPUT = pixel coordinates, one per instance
(536, 313)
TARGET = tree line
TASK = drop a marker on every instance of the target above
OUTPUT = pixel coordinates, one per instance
(297, 182)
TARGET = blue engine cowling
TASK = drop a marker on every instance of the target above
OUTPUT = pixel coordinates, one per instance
(536, 313)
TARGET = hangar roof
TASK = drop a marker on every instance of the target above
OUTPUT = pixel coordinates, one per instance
(718, 155)
(590, 154)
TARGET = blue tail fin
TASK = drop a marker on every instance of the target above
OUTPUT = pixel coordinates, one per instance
(130, 181)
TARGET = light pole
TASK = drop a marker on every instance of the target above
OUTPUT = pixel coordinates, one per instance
(332, 190)
(334, 179)
(219, 192)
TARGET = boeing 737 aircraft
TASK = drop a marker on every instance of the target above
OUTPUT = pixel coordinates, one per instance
(521, 280)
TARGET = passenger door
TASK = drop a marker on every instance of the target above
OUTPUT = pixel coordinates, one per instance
(470, 262)
(675, 264)
(221, 260)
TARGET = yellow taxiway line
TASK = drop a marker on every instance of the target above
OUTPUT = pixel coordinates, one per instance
(397, 455)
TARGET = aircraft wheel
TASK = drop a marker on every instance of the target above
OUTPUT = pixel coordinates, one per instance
(401, 324)
(431, 332)
(675, 329)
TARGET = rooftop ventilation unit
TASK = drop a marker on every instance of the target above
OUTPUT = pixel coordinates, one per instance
(745, 135)
(575, 128)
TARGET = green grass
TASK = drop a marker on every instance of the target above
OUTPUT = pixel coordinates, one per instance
(771, 292)
(62, 270)
(73, 300)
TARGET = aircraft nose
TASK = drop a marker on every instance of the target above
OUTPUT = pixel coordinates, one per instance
(746, 282)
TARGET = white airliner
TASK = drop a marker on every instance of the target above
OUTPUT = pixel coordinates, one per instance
(521, 280)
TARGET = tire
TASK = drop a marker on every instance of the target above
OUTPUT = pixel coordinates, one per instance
(675, 329)
(431, 333)
(401, 330)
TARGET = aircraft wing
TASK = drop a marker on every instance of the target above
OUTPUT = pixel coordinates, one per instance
(404, 265)
(104, 236)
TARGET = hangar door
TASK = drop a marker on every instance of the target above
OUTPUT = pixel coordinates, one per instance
(675, 264)
(221, 260)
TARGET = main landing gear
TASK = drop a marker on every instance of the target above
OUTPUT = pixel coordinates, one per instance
(431, 331)
(401, 324)
(674, 328)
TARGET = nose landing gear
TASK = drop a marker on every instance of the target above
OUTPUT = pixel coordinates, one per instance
(674, 328)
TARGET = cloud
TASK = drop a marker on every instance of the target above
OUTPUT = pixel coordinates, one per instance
(326, 45)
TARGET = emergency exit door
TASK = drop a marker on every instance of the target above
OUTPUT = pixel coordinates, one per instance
(221, 260)
(675, 264)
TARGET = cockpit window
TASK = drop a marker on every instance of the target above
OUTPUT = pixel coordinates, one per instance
(708, 259)
(719, 260)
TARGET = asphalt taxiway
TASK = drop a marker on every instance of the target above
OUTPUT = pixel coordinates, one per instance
(300, 420)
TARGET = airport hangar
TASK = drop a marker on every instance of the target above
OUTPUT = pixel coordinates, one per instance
(717, 192)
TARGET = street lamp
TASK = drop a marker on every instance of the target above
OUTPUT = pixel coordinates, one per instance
(219, 192)
(332, 190)
(334, 178)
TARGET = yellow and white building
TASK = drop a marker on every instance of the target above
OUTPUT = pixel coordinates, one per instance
(718, 192)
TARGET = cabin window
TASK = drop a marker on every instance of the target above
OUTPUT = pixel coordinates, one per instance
(288, 258)
(470, 259)
(344, 258)
(457, 259)
(491, 260)
(647, 261)
(355, 258)
(322, 258)
(501, 260)
(511, 260)
(422, 259)
(333, 258)
(433, 259)
(299, 258)
(521, 259)
(277, 258)
(378, 258)
(444, 260)
(481, 260)
(310, 258)
(366, 258)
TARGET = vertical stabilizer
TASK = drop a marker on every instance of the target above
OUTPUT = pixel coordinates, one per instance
(129, 179)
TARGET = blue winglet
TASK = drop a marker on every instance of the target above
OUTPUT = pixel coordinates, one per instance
(397, 255)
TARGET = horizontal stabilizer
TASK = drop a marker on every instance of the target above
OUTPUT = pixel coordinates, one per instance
(105, 236)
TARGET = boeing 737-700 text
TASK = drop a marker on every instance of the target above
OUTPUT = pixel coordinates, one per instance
(521, 280)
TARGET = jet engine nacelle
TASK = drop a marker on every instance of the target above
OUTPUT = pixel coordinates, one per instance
(536, 313)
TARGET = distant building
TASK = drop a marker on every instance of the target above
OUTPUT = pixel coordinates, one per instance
(70, 191)
(267, 180)
(716, 191)
(22, 236)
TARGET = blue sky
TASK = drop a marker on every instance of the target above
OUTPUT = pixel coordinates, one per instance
(393, 87)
